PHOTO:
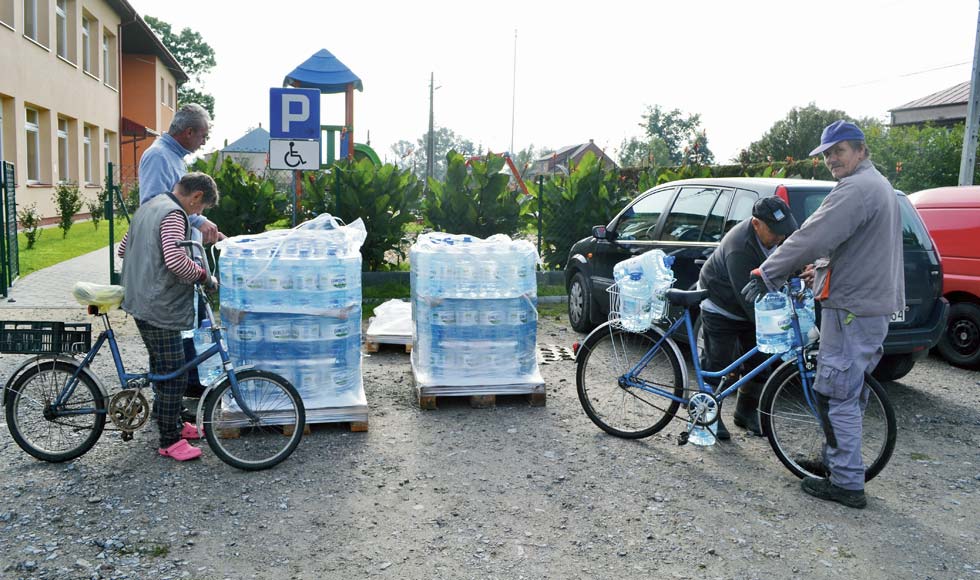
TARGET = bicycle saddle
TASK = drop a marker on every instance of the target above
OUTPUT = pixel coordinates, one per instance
(103, 296)
(686, 297)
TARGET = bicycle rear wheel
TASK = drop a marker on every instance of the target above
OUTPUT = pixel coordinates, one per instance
(41, 431)
(616, 407)
(796, 435)
(254, 444)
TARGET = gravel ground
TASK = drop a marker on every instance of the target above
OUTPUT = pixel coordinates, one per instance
(509, 492)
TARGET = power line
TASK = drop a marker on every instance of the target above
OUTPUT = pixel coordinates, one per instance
(911, 74)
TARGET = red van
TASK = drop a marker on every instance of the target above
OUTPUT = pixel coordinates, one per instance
(952, 215)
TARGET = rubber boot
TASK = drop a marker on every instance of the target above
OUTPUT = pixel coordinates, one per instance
(747, 408)
(721, 432)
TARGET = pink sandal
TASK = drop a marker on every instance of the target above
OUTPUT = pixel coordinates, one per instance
(190, 432)
(181, 451)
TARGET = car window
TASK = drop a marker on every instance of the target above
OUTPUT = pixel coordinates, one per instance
(639, 220)
(685, 222)
(914, 233)
(741, 207)
(715, 225)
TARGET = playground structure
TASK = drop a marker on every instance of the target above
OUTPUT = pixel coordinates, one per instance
(324, 72)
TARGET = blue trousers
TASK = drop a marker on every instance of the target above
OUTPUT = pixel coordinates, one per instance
(849, 347)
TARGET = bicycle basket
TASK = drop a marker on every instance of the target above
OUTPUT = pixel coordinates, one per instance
(630, 314)
(45, 337)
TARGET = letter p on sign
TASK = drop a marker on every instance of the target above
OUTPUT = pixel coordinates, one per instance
(294, 114)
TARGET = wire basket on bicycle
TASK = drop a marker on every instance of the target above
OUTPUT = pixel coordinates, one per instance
(637, 298)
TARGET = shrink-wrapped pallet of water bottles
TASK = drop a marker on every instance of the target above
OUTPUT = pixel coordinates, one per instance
(474, 310)
(291, 304)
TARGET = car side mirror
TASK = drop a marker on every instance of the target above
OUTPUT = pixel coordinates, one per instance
(600, 233)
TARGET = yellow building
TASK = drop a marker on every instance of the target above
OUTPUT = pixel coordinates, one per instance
(71, 70)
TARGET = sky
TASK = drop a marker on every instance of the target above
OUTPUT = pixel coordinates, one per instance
(584, 70)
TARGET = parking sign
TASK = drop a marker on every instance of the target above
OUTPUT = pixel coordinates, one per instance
(294, 114)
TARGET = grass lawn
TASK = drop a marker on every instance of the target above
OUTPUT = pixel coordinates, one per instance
(50, 248)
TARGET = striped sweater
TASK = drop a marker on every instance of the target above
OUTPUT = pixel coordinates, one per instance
(176, 259)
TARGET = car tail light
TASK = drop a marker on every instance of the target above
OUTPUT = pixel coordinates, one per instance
(782, 193)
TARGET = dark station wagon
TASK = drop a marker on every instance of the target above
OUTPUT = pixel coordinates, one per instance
(687, 219)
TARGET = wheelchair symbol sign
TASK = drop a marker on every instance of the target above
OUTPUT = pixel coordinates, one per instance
(294, 154)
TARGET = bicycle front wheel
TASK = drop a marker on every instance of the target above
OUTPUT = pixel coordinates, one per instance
(262, 442)
(48, 433)
(796, 435)
(612, 402)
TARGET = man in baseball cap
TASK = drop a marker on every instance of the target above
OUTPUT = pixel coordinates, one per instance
(727, 318)
(854, 239)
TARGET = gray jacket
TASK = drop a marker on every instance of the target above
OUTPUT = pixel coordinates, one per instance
(855, 240)
(153, 293)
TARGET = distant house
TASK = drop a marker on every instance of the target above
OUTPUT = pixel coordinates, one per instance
(946, 107)
(570, 155)
(250, 151)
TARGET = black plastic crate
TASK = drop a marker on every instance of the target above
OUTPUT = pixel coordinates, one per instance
(45, 337)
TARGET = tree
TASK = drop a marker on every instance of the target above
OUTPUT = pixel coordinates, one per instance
(671, 139)
(195, 56)
(413, 156)
(793, 136)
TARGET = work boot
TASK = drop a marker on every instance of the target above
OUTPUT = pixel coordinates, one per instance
(822, 488)
(815, 466)
(747, 408)
(721, 432)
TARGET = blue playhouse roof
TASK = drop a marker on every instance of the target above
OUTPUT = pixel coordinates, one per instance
(255, 141)
(325, 72)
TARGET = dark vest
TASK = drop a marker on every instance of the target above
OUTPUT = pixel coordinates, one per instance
(153, 293)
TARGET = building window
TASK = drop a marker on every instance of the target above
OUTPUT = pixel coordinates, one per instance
(109, 58)
(86, 45)
(163, 92)
(64, 174)
(61, 23)
(7, 12)
(30, 19)
(87, 152)
(33, 128)
(170, 95)
(107, 147)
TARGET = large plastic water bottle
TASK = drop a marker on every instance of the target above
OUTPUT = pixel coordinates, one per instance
(701, 435)
(210, 369)
(807, 315)
(772, 323)
(656, 265)
(634, 297)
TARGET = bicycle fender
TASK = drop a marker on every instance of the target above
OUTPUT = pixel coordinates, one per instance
(656, 330)
(8, 387)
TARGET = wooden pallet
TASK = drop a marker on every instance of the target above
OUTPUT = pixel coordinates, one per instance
(429, 402)
(372, 346)
(287, 430)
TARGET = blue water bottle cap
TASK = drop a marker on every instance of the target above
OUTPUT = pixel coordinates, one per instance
(205, 323)
(669, 261)
(636, 275)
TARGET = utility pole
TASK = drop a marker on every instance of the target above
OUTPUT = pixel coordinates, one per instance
(430, 146)
(968, 162)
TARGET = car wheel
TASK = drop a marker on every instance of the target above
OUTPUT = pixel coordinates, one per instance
(580, 304)
(892, 367)
(960, 344)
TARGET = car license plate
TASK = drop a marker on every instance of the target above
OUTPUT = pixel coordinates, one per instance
(898, 316)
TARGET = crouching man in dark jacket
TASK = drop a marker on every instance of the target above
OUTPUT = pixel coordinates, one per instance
(727, 318)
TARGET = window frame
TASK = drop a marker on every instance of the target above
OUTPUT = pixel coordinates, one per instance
(668, 192)
(61, 28)
(696, 190)
(32, 31)
(34, 128)
(64, 150)
(729, 223)
(86, 44)
(87, 153)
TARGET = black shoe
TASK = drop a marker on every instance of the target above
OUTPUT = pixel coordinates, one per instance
(747, 414)
(721, 431)
(823, 489)
(814, 466)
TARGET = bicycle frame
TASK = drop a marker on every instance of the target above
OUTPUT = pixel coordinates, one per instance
(631, 379)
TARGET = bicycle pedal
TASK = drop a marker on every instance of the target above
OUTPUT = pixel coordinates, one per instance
(126, 435)
(682, 438)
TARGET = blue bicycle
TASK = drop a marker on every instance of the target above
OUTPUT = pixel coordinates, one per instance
(56, 407)
(631, 384)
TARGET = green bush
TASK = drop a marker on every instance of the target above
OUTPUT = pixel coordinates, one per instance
(916, 158)
(385, 198)
(572, 205)
(247, 203)
(475, 199)
(96, 207)
(68, 202)
(30, 221)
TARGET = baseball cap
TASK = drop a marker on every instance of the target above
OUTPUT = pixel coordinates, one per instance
(776, 214)
(836, 132)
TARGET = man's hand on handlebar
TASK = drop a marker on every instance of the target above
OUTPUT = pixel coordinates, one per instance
(755, 288)
(211, 284)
